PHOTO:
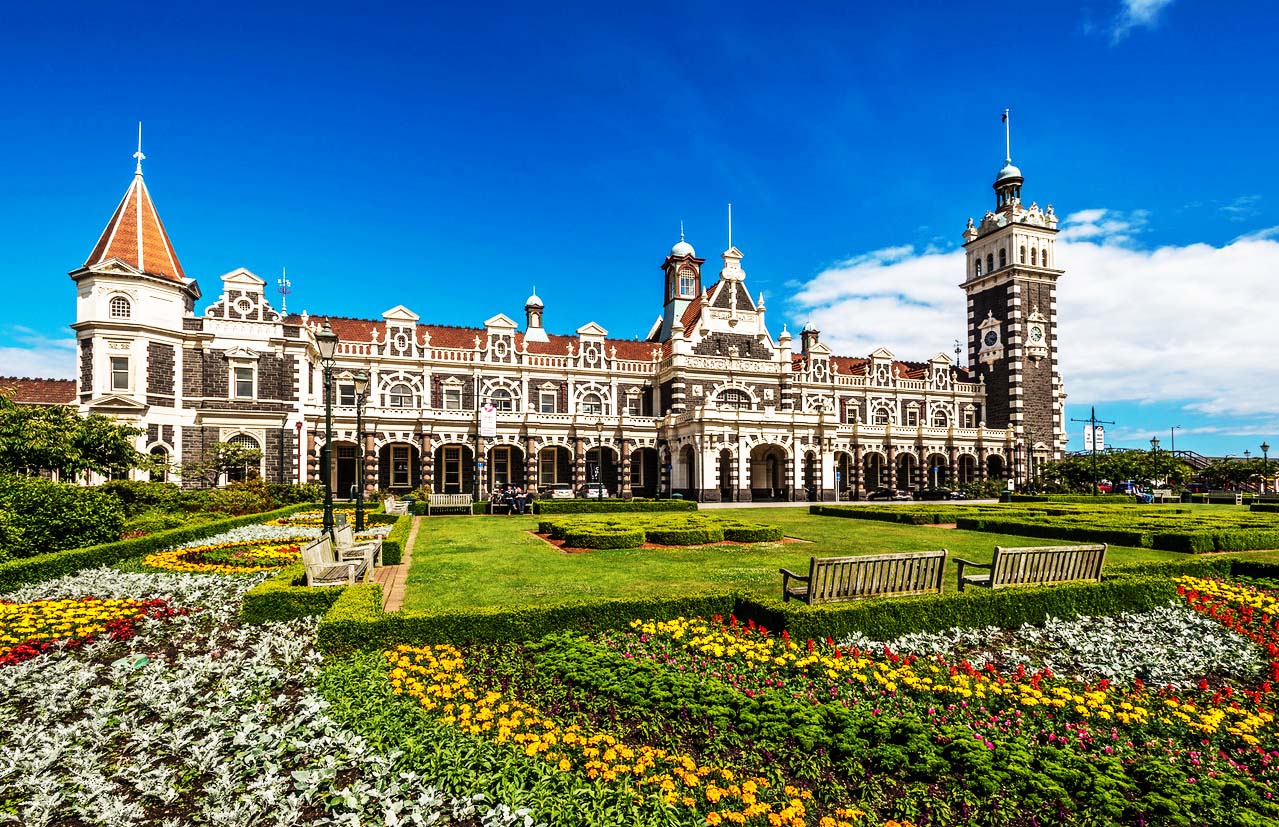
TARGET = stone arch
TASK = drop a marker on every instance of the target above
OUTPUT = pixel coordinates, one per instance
(874, 470)
(996, 467)
(684, 471)
(908, 476)
(505, 394)
(590, 394)
(399, 467)
(937, 471)
(967, 469)
(812, 475)
(645, 472)
(554, 465)
(770, 472)
(845, 465)
(735, 396)
(505, 466)
(388, 385)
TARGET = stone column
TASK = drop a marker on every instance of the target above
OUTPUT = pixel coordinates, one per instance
(664, 471)
(530, 463)
(892, 466)
(369, 465)
(857, 471)
(981, 464)
(312, 458)
(794, 472)
(624, 481)
(579, 463)
(921, 471)
(952, 467)
(427, 460)
(743, 462)
(826, 473)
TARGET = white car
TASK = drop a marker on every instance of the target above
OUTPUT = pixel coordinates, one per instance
(557, 491)
(592, 491)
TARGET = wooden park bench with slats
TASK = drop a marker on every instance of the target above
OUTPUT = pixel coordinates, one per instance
(835, 579)
(325, 568)
(1036, 566)
(451, 502)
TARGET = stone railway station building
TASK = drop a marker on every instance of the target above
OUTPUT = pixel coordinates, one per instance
(709, 404)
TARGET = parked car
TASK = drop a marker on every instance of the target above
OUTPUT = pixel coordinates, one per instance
(888, 494)
(557, 491)
(938, 494)
(592, 491)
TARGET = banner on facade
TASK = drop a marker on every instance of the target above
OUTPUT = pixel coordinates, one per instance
(1088, 438)
(488, 420)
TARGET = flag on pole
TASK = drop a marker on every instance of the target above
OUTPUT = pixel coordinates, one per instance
(1005, 117)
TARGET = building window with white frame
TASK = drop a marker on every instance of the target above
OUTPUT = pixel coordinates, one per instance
(940, 420)
(687, 282)
(501, 399)
(912, 416)
(970, 417)
(452, 399)
(591, 405)
(548, 402)
(401, 474)
(239, 473)
(400, 396)
(120, 308)
(634, 405)
(851, 413)
(120, 378)
(734, 399)
(244, 384)
(883, 417)
(346, 396)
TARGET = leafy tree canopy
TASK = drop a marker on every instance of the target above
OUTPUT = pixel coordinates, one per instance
(58, 438)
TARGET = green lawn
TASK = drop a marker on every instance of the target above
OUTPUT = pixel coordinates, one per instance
(493, 561)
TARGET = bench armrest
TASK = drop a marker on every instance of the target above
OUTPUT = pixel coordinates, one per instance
(787, 576)
(962, 563)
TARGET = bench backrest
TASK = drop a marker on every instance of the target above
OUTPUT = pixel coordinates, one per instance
(345, 536)
(869, 575)
(450, 499)
(1046, 564)
(318, 553)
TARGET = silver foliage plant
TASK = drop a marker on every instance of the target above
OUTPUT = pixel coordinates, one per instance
(1168, 645)
(196, 720)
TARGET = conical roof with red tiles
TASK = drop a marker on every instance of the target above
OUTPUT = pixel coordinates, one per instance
(136, 236)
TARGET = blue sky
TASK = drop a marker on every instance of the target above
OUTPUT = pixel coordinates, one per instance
(449, 157)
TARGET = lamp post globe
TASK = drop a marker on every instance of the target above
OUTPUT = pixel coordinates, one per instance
(326, 341)
(361, 381)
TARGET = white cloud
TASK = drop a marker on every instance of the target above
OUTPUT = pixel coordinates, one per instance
(1135, 14)
(1189, 325)
(37, 355)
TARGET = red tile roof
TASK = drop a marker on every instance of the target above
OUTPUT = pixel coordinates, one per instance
(26, 391)
(452, 336)
(136, 236)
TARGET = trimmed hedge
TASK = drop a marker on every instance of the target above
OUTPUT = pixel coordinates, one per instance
(357, 622)
(605, 536)
(393, 543)
(56, 564)
(1106, 499)
(1265, 507)
(610, 506)
(887, 618)
(283, 597)
(752, 532)
(680, 536)
(420, 506)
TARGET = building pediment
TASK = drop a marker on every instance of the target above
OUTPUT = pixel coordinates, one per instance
(501, 322)
(114, 403)
(940, 359)
(242, 354)
(881, 353)
(243, 278)
(400, 313)
(591, 329)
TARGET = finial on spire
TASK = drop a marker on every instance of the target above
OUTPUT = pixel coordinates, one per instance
(284, 287)
(1008, 141)
(730, 225)
(681, 229)
(139, 154)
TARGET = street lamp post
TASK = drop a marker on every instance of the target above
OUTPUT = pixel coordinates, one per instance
(1265, 464)
(327, 343)
(1154, 451)
(599, 457)
(361, 395)
(1172, 439)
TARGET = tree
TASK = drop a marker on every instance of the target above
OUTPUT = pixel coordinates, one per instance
(1075, 472)
(58, 438)
(221, 458)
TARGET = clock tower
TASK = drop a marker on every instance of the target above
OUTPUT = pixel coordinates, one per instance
(1011, 283)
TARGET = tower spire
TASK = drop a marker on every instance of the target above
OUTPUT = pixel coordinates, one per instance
(681, 229)
(1008, 141)
(730, 225)
(139, 154)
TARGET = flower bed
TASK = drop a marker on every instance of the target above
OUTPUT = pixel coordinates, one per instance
(29, 629)
(197, 720)
(244, 557)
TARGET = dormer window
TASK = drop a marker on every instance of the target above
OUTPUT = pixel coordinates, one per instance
(120, 308)
(687, 282)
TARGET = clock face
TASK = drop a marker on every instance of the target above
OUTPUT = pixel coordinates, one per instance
(991, 338)
(1036, 333)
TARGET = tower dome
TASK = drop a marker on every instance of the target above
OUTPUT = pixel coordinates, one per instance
(1009, 171)
(533, 301)
(683, 248)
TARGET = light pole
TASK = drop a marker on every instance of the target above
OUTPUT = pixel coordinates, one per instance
(327, 343)
(1154, 451)
(1172, 439)
(1265, 464)
(361, 394)
(599, 457)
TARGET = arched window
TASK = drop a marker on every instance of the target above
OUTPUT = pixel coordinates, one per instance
(940, 420)
(977, 266)
(1003, 257)
(120, 308)
(882, 417)
(400, 396)
(240, 473)
(1043, 258)
(1023, 255)
(160, 456)
(591, 404)
(687, 282)
(1034, 256)
(733, 398)
(501, 399)
(990, 263)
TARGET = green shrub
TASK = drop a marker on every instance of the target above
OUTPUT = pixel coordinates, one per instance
(603, 536)
(1265, 508)
(887, 618)
(1097, 499)
(10, 536)
(53, 516)
(39, 568)
(156, 519)
(357, 621)
(742, 532)
(610, 506)
(282, 494)
(685, 536)
(393, 543)
(247, 497)
(138, 497)
(283, 597)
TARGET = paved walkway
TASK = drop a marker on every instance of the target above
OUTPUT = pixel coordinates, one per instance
(393, 578)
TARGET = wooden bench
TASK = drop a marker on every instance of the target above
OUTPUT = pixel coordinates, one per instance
(351, 549)
(451, 502)
(393, 506)
(323, 568)
(834, 579)
(1036, 566)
